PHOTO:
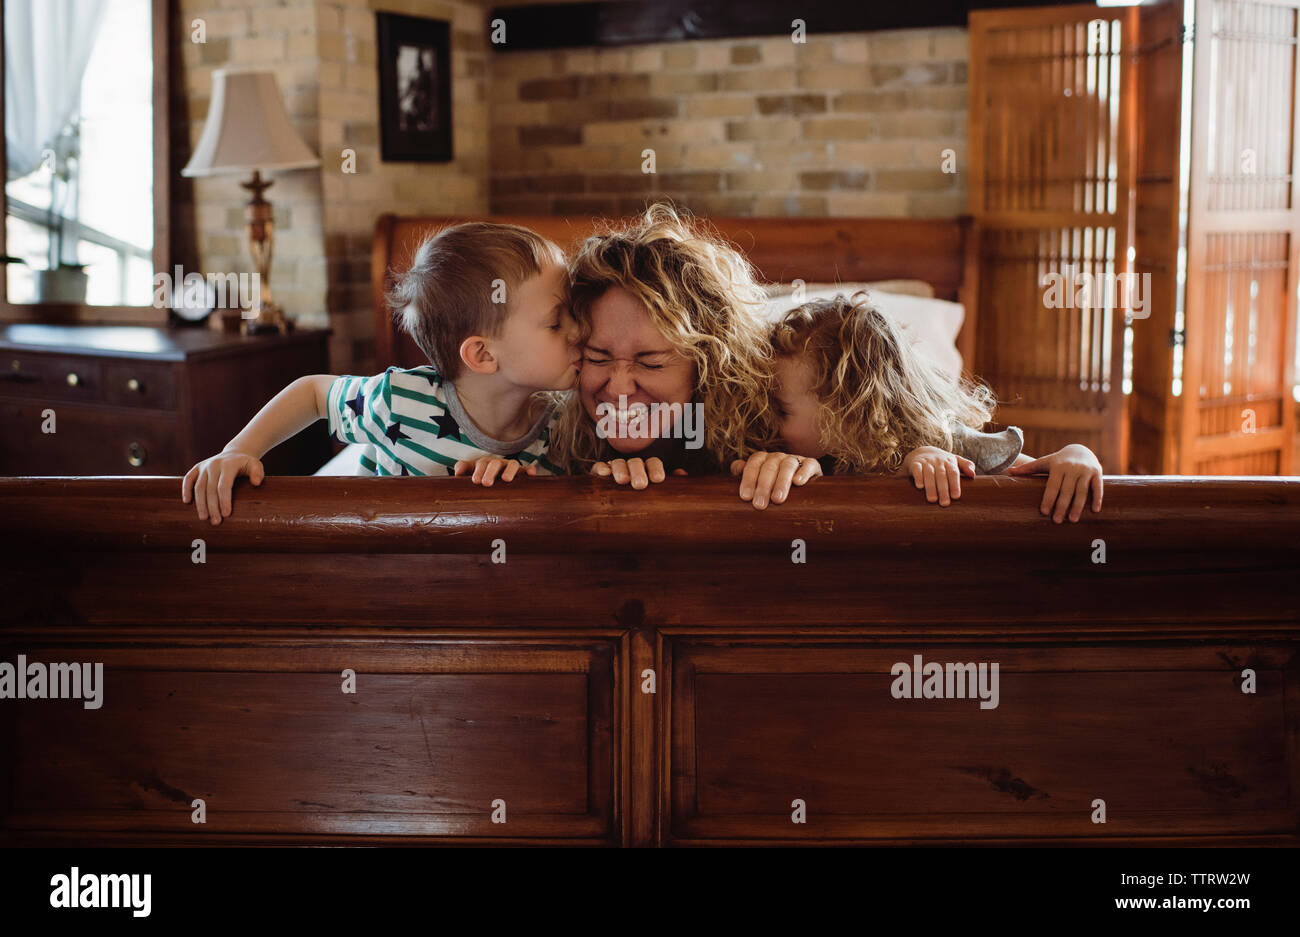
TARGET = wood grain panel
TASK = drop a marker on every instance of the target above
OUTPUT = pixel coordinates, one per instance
(263, 733)
(1163, 735)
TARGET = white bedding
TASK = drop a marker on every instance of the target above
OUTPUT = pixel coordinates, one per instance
(347, 462)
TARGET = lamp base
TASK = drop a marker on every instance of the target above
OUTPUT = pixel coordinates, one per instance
(267, 318)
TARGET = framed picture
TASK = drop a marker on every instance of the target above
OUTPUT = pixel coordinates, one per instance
(414, 89)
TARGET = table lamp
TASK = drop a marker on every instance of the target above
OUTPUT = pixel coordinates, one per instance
(248, 130)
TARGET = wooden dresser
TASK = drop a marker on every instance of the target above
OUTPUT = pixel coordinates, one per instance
(144, 400)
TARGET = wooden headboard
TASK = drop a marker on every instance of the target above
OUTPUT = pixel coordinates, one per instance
(941, 251)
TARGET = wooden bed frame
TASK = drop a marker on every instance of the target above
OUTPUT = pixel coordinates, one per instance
(595, 665)
(942, 252)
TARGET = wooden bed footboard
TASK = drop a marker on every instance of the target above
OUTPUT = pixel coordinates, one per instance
(348, 660)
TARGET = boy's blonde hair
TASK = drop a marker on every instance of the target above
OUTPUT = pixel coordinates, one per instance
(701, 294)
(447, 293)
(878, 398)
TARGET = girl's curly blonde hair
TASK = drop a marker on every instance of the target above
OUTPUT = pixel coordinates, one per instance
(878, 399)
(701, 294)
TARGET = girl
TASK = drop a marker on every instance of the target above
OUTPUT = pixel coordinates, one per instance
(852, 393)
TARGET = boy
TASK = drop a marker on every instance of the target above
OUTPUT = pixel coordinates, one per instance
(487, 304)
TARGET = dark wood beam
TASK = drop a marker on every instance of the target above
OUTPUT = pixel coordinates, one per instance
(555, 26)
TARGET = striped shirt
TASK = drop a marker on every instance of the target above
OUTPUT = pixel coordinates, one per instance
(412, 423)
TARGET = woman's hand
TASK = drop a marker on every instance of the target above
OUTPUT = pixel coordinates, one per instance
(639, 472)
(937, 471)
(486, 468)
(1072, 471)
(211, 480)
(768, 475)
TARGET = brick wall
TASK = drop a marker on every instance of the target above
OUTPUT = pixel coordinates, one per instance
(851, 124)
(847, 124)
(350, 119)
(324, 55)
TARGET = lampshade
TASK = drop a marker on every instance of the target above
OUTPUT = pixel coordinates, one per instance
(247, 128)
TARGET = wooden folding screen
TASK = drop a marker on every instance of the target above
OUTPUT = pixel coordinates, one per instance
(1052, 120)
(1236, 415)
(1213, 365)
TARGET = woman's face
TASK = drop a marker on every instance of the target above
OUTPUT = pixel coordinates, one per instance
(627, 357)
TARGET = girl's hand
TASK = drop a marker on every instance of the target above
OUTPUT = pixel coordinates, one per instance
(1071, 472)
(938, 472)
(487, 467)
(211, 480)
(640, 472)
(768, 475)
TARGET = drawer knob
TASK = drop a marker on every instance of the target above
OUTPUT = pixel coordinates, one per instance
(17, 376)
(136, 454)
(135, 386)
(73, 379)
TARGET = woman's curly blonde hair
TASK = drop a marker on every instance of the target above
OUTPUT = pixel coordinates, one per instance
(878, 399)
(701, 294)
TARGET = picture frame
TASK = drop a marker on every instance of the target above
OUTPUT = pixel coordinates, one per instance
(414, 61)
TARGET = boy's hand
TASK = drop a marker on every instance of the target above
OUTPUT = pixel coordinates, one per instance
(486, 468)
(767, 476)
(1071, 472)
(212, 479)
(639, 472)
(938, 472)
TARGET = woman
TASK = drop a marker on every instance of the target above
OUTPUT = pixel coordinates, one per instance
(676, 366)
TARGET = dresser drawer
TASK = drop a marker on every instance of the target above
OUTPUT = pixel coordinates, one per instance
(86, 441)
(140, 384)
(51, 377)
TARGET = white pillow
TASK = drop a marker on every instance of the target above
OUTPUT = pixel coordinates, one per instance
(901, 287)
(932, 323)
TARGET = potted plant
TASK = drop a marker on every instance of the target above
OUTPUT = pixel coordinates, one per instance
(64, 281)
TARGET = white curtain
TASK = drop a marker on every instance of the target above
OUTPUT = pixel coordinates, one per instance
(47, 45)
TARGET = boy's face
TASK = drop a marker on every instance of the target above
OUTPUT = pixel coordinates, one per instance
(537, 347)
(797, 408)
